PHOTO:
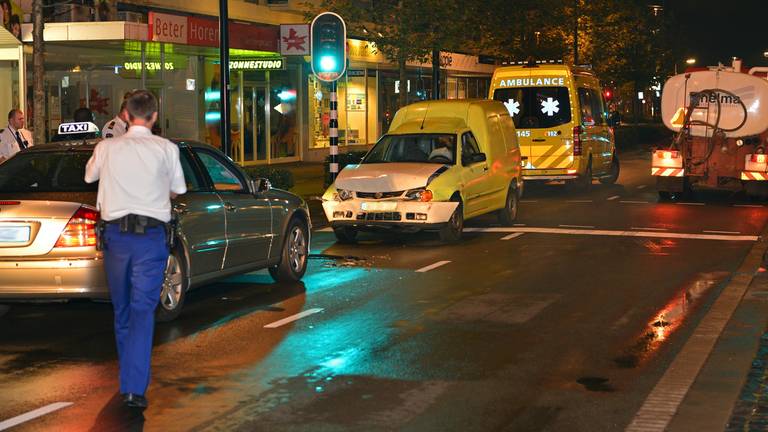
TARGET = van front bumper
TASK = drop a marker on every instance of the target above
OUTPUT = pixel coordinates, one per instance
(382, 213)
(52, 280)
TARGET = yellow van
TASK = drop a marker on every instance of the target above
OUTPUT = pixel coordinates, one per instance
(440, 163)
(562, 123)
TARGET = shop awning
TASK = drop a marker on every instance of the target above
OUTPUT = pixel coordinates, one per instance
(7, 39)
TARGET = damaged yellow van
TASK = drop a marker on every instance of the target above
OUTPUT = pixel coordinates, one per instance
(562, 124)
(440, 163)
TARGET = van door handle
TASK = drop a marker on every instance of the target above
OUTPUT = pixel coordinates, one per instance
(485, 167)
(538, 140)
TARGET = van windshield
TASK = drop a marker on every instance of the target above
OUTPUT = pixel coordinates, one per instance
(424, 148)
(536, 107)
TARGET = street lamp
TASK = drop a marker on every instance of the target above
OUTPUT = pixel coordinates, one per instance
(690, 61)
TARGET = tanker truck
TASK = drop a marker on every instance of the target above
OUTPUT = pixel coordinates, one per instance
(720, 118)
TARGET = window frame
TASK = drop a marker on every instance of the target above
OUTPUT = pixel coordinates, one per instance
(476, 147)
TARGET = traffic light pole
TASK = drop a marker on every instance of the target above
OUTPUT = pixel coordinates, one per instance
(224, 72)
(333, 132)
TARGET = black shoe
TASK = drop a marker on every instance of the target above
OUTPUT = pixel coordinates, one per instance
(134, 400)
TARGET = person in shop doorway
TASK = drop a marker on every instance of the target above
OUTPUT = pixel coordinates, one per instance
(138, 175)
(14, 137)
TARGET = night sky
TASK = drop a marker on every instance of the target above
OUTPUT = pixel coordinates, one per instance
(713, 31)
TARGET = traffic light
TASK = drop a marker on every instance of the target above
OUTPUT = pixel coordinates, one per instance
(608, 93)
(329, 46)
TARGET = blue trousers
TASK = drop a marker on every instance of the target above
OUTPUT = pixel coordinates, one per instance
(135, 267)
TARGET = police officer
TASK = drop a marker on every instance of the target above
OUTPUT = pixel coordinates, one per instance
(138, 174)
(14, 138)
(118, 125)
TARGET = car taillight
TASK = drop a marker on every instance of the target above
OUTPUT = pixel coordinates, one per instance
(80, 231)
(10, 202)
(759, 158)
(577, 141)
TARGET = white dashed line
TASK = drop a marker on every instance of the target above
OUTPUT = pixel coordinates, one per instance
(721, 232)
(577, 226)
(518, 225)
(15, 421)
(293, 318)
(512, 236)
(748, 205)
(649, 229)
(432, 266)
(690, 204)
(579, 201)
(616, 233)
(634, 202)
(615, 197)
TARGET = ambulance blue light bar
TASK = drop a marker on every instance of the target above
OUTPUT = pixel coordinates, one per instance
(77, 128)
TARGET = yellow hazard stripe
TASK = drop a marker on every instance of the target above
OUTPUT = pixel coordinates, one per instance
(754, 175)
(667, 172)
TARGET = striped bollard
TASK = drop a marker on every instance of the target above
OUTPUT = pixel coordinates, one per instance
(333, 126)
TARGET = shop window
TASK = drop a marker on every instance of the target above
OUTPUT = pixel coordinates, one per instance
(284, 126)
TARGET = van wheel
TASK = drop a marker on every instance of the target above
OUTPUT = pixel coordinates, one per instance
(293, 257)
(613, 175)
(173, 293)
(451, 232)
(583, 182)
(508, 214)
(345, 235)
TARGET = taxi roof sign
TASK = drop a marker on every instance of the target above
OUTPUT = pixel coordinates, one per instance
(77, 128)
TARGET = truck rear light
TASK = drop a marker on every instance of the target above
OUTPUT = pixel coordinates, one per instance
(577, 150)
(10, 202)
(670, 154)
(80, 231)
(759, 158)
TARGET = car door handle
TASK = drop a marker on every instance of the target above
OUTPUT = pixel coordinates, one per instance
(230, 207)
(180, 208)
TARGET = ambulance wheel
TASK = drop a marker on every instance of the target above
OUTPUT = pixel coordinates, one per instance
(508, 214)
(293, 257)
(451, 232)
(613, 175)
(584, 181)
(173, 293)
(345, 235)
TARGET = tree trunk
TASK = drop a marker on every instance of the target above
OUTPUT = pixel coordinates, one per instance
(38, 73)
(403, 96)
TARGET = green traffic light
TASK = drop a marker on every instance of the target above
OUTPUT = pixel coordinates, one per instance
(327, 63)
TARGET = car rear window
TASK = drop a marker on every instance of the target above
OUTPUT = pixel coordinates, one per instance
(536, 107)
(46, 172)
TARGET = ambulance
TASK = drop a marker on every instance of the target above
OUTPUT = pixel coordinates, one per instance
(561, 121)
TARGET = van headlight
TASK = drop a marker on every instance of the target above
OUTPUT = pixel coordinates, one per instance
(420, 194)
(345, 194)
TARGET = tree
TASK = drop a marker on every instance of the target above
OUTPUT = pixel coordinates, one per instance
(38, 86)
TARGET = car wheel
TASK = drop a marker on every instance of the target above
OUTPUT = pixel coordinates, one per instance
(293, 257)
(345, 234)
(4, 309)
(613, 176)
(508, 214)
(451, 232)
(174, 291)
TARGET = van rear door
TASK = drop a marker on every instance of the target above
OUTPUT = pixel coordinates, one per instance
(542, 116)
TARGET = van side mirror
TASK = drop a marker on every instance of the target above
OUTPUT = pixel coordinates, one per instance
(259, 186)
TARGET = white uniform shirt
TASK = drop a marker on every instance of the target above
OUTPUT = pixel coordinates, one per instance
(137, 173)
(8, 144)
(114, 128)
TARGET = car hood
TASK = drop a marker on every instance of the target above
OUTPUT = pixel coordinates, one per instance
(386, 177)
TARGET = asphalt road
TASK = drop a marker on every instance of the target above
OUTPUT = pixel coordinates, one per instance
(558, 328)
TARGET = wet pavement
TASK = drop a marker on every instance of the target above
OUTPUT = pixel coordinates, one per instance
(544, 331)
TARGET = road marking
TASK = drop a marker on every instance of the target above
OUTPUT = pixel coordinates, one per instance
(511, 236)
(293, 318)
(518, 225)
(690, 204)
(748, 205)
(634, 202)
(663, 402)
(615, 197)
(616, 233)
(577, 226)
(15, 421)
(642, 186)
(432, 266)
(650, 229)
(721, 232)
(579, 201)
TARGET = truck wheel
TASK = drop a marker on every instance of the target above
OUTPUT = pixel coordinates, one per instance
(293, 257)
(613, 175)
(345, 235)
(174, 290)
(665, 196)
(508, 214)
(451, 232)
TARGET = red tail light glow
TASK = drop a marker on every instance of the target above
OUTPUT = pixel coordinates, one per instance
(577, 141)
(80, 231)
(759, 158)
(10, 202)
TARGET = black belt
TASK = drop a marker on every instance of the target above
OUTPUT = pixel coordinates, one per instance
(135, 223)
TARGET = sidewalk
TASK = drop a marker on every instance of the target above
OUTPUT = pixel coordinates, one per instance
(308, 179)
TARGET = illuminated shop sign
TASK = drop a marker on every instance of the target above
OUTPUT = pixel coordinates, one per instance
(532, 82)
(263, 64)
(150, 66)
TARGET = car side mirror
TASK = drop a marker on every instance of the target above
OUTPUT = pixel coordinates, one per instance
(260, 185)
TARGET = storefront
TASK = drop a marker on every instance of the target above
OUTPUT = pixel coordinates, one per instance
(12, 91)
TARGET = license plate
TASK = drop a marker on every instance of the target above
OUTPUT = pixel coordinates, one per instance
(14, 234)
(379, 206)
